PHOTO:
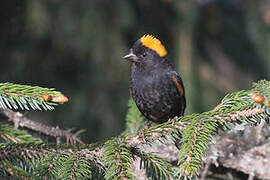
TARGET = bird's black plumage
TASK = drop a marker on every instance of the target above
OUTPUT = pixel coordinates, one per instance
(156, 87)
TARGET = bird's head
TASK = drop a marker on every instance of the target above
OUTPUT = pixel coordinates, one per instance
(147, 48)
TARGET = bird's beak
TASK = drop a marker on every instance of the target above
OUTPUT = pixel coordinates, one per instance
(131, 57)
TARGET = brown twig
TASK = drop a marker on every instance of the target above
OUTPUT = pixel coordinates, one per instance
(149, 135)
(20, 120)
(206, 169)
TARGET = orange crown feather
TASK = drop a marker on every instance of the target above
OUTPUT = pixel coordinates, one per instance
(154, 44)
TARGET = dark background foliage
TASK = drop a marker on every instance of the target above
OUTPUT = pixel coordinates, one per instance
(218, 46)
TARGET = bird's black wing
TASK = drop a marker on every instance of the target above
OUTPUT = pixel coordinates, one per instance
(177, 81)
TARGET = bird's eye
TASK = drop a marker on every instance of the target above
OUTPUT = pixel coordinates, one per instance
(144, 54)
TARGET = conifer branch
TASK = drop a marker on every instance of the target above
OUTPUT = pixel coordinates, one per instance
(11, 170)
(134, 119)
(51, 161)
(11, 135)
(118, 158)
(114, 158)
(24, 97)
(68, 165)
(193, 143)
(197, 130)
(156, 167)
(20, 120)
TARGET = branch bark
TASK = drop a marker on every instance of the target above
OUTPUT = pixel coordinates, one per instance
(20, 120)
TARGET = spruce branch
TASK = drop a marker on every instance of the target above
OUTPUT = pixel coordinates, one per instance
(45, 168)
(156, 167)
(20, 120)
(11, 135)
(38, 150)
(68, 165)
(193, 143)
(9, 170)
(118, 158)
(114, 158)
(55, 162)
(134, 119)
(198, 130)
(24, 97)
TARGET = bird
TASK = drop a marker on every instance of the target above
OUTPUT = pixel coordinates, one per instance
(156, 87)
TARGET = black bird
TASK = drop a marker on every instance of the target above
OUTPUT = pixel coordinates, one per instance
(156, 87)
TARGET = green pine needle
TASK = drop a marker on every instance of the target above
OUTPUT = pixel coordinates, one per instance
(118, 159)
(194, 142)
(24, 97)
(11, 135)
(134, 118)
(15, 170)
(156, 167)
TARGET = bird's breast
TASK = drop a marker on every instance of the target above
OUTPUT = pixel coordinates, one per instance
(149, 87)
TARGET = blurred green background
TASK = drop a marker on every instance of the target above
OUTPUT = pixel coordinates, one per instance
(218, 46)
